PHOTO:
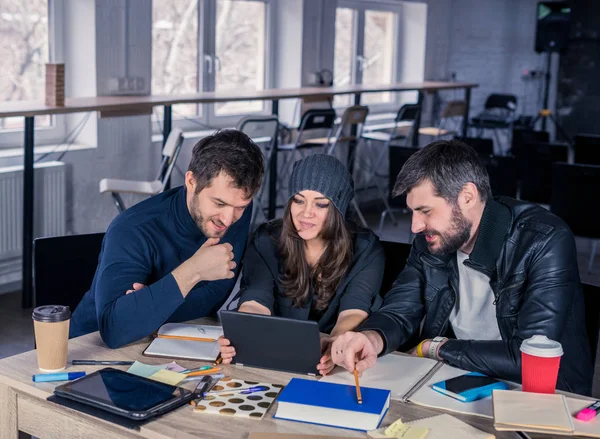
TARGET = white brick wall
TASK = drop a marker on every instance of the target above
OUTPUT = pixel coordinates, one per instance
(490, 42)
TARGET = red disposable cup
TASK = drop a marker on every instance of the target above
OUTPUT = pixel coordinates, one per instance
(540, 360)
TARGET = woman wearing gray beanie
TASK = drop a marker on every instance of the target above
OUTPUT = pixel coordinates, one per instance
(313, 264)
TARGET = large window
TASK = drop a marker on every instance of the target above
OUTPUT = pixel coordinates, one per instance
(24, 48)
(365, 48)
(211, 45)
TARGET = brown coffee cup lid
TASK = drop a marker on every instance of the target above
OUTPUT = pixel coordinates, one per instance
(51, 313)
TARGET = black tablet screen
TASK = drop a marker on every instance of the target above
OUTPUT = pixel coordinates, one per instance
(122, 390)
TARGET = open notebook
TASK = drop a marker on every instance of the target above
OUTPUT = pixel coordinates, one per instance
(185, 341)
(542, 413)
(410, 378)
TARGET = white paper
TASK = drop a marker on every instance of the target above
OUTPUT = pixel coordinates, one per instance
(428, 397)
(397, 373)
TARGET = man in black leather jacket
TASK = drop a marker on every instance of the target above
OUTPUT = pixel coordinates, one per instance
(483, 275)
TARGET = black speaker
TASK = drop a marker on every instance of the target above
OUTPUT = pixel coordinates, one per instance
(553, 23)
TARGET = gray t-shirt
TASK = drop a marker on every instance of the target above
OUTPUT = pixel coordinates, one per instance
(474, 314)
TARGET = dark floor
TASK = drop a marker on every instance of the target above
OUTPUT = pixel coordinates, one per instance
(16, 328)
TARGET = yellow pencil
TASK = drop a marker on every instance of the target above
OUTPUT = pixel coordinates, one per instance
(358, 395)
(204, 372)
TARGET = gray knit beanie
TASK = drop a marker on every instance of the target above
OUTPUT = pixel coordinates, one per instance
(325, 174)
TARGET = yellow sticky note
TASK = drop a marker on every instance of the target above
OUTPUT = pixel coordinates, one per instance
(402, 431)
(167, 377)
(412, 432)
(395, 427)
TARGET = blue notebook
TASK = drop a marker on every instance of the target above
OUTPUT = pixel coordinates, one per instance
(332, 404)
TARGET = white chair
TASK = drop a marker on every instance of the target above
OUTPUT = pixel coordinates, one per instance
(263, 130)
(170, 152)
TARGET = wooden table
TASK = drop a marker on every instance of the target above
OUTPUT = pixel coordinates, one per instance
(128, 105)
(23, 404)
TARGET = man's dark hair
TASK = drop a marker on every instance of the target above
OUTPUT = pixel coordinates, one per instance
(448, 165)
(232, 152)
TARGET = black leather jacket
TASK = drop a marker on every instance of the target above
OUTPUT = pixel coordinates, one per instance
(530, 257)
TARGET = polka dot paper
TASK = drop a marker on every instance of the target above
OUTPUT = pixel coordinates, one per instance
(253, 405)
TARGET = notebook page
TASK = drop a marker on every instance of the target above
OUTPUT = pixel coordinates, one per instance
(187, 330)
(524, 410)
(428, 397)
(397, 373)
(186, 349)
(441, 427)
(448, 427)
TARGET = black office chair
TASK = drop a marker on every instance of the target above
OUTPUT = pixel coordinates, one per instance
(398, 155)
(587, 149)
(591, 299)
(483, 146)
(64, 268)
(498, 113)
(313, 122)
(534, 168)
(571, 189)
(502, 171)
(396, 254)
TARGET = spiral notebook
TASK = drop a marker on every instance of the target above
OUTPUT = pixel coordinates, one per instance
(410, 378)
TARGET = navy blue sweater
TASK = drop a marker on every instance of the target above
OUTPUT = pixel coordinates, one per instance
(145, 244)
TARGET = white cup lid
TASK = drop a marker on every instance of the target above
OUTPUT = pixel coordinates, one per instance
(541, 346)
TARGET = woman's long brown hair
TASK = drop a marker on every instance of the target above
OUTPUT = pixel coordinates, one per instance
(325, 276)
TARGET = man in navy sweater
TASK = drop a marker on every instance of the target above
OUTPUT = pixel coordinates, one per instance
(175, 256)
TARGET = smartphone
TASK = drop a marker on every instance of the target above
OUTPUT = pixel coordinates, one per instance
(469, 387)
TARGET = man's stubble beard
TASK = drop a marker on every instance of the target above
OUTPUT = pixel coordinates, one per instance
(451, 243)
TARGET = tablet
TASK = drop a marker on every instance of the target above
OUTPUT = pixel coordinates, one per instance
(276, 343)
(125, 394)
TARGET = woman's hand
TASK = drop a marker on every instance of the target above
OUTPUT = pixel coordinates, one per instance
(227, 351)
(326, 364)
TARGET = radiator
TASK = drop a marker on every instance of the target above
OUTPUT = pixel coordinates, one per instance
(49, 212)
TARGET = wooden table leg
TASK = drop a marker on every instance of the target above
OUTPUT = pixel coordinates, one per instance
(8, 413)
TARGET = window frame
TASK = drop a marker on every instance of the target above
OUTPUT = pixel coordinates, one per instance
(360, 8)
(13, 138)
(206, 82)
